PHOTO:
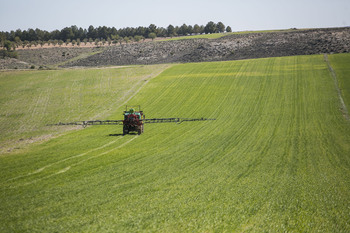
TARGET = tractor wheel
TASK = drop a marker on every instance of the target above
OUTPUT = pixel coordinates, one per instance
(139, 131)
(125, 132)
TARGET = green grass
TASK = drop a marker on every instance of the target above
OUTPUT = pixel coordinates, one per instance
(341, 64)
(276, 159)
(30, 100)
(219, 35)
(202, 36)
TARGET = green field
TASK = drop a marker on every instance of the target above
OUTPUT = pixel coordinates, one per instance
(219, 35)
(30, 100)
(276, 159)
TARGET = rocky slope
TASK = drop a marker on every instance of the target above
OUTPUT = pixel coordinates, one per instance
(231, 47)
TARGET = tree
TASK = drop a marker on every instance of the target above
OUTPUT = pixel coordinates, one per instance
(201, 31)
(74, 42)
(126, 39)
(190, 29)
(120, 40)
(141, 31)
(152, 28)
(196, 29)
(31, 35)
(14, 46)
(97, 41)
(228, 29)
(67, 42)
(7, 45)
(2, 39)
(137, 38)
(80, 34)
(210, 28)
(220, 27)
(18, 41)
(19, 33)
(102, 32)
(67, 33)
(25, 43)
(183, 30)
(152, 35)
(115, 38)
(162, 32)
(85, 41)
(91, 33)
(171, 30)
(75, 33)
(78, 41)
(39, 34)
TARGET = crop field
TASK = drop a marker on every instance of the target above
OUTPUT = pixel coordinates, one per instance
(30, 100)
(219, 35)
(277, 157)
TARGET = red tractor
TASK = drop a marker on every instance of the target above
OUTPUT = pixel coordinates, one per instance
(133, 121)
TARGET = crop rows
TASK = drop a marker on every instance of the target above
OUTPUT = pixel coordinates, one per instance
(275, 159)
(30, 100)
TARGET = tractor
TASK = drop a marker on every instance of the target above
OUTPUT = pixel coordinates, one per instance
(133, 121)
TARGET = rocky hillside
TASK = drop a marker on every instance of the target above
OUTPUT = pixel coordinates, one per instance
(231, 47)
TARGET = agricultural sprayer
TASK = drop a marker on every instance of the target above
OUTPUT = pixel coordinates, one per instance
(134, 121)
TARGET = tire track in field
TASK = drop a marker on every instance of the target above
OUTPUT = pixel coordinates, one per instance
(63, 160)
(61, 171)
(135, 92)
(343, 107)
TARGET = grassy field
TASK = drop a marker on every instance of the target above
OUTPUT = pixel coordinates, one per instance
(30, 100)
(219, 35)
(276, 159)
(341, 64)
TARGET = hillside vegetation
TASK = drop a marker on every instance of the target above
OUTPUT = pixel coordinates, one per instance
(276, 158)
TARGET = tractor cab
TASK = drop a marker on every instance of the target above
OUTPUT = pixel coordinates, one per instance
(133, 121)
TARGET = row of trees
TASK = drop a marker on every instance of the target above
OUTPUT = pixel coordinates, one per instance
(109, 33)
(10, 45)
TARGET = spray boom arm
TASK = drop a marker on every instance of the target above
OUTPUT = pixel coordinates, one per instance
(145, 121)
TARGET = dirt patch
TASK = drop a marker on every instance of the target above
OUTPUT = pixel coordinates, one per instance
(12, 63)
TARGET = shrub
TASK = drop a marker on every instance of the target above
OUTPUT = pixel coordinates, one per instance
(10, 54)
